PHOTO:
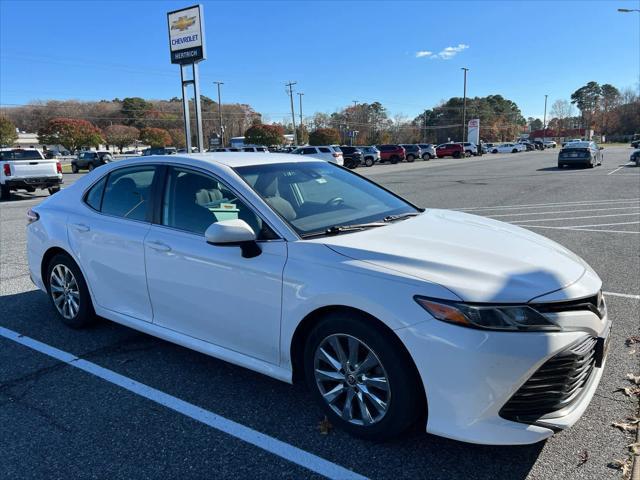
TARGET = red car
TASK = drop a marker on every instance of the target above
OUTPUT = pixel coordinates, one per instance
(391, 153)
(455, 150)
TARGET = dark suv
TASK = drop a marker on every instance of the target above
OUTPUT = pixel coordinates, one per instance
(352, 156)
(90, 160)
(412, 152)
(391, 153)
(455, 150)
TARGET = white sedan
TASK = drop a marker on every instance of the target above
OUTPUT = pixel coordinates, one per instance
(508, 148)
(299, 269)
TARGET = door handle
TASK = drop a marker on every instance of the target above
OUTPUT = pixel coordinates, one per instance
(81, 227)
(159, 246)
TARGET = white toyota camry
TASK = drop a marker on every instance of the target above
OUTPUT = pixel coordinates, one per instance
(300, 269)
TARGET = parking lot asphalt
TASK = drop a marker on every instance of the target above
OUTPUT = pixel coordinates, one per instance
(59, 421)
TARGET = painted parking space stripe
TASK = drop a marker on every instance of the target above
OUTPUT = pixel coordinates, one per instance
(517, 222)
(558, 204)
(623, 295)
(265, 442)
(562, 211)
(577, 229)
(621, 166)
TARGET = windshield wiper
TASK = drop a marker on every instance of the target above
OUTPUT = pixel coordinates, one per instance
(402, 216)
(338, 229)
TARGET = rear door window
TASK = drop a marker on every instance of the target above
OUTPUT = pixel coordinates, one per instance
(128, 191)
(94, 195)
(324, 150)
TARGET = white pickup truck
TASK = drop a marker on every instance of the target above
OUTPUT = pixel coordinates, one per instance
(26, 169)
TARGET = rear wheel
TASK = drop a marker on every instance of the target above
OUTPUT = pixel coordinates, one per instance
(361, 378)
(68, 292)
(74, 168)
(456, 155)
(426, 157)
(5, 192)
(410, 158)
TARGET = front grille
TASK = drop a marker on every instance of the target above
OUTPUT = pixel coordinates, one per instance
(555, 385)
(593, 304)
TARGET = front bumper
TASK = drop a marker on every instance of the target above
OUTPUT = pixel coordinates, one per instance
(469, 375)
(33, 182)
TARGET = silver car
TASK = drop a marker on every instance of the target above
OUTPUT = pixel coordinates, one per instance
(370, 155)
(428, 151)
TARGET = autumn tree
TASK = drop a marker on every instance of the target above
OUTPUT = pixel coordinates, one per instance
(8, 133)
(70, 133)
(121, 135)
(177, 137)
(302, 134)
(155, 137)
(264, 135)
(135, 110)
(324, 136)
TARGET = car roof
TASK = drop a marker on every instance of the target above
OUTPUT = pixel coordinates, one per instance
(235, 159)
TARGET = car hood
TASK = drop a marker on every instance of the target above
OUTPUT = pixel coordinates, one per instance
(478, 259)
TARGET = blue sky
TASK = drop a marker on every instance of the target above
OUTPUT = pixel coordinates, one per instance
(336, 51)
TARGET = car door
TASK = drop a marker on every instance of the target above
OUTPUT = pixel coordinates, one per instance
(107, 236)
(207, 291)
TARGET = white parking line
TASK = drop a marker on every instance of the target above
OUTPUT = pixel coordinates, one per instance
(576, 229)
(557, 204)
(621, 166)
(623, 295)
(561, 211)
(518, 222)
(253, 437)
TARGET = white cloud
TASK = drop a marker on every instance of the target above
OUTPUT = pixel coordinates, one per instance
(444, 54)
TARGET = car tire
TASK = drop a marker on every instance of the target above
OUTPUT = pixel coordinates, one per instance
(410, 158)
(402, 398)
(80, 314)
(590, 164)
(91, 167)
(515, 150)
(456, 155)
(560, 166)
(368, 162)
(5, 192)
(426, 157)
(30, 189)
(74, 168)
(394, 159)
(53, 190)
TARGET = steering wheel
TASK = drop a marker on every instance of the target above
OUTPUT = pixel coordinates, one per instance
(335, 201)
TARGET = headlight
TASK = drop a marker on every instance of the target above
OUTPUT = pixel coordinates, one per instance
(489, 317)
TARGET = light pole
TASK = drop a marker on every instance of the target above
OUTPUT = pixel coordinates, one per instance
(220, 114)
(293, 114)
(544, 121)
(300, 94)
(464, 107)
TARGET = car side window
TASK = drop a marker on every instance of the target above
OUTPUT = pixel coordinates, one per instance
(308, 151)
(93, 197)
(193, 201)
(128, 191)
(324, 150)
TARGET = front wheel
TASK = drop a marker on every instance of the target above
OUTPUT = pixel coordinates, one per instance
(361, 378)
(426, 157)
(394, 160)
(53, 190)
(515, 150)
(74, 168)
(368, 162)
(91, 167)
(410, 158)
(5, 192)
(68, 292)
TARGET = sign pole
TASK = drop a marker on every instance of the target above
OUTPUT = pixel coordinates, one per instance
(196, 93)
(185, 109)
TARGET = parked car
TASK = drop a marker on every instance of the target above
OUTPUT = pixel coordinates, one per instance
(470, 149)
(428, 151)
(635, 144)
(27, 169)
(411, 152)
(255, 149)
(635, 158)
(370, 155)
(133, 152)
(159, 151)
(352, 156)
(587, 154)
(391, 153)
(302, 270)
(539, 145)
(508, 148)
(221, 149)
(528, 145)
(327, 153)
(52, 154)
(455, 150)
(90, 160)
(549, 144)
(488, 147)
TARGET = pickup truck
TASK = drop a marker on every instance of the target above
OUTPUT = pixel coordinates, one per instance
(26, 169)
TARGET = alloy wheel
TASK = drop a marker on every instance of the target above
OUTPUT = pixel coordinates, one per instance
(64, 291)
(351, 379)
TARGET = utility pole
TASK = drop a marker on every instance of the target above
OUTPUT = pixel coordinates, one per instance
(544, 122)
(464, 107)
(300, 94)
(424, 132)
(293, 114)
(220, 114)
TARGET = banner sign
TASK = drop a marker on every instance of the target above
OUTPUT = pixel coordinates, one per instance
(473, 132)
(186, 35)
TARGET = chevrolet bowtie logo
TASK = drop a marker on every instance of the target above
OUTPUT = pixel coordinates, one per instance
(182, 23)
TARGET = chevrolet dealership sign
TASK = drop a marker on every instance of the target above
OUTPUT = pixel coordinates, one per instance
(186, 35)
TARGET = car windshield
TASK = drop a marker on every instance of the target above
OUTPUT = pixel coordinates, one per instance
(315, 196)
(20, 155)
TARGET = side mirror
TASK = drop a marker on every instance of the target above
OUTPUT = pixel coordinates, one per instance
(233, 233)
